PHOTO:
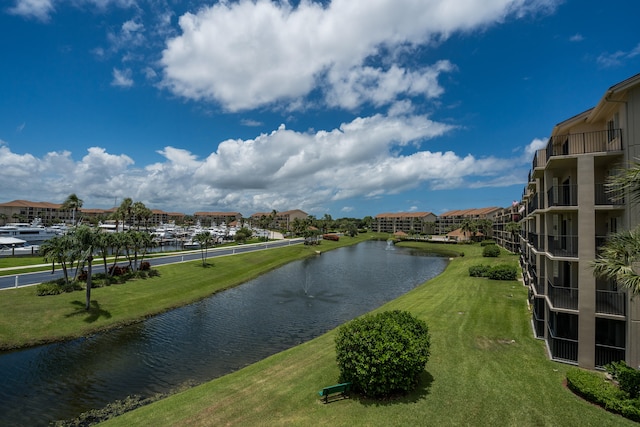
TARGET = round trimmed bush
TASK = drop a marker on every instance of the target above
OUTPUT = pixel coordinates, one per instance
(383, 354)
(491, 251)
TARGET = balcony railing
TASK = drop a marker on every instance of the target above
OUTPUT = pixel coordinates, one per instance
(563, 245)
(533, 204)
(562, 297)
(538, 328)
(582, 143)
(563, 348)
(611, 302)
(533, 238)
(604, 196)
(606, 354)
(563, 195)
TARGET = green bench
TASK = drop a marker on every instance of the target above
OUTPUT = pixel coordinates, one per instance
(343, 389)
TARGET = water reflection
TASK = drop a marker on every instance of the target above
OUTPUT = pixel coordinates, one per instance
(213, 337)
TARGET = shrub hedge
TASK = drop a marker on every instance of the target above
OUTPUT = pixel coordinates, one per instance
(595, 388)
(496, 272)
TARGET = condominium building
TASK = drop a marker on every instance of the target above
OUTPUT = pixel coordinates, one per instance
(218, 218)
(280, 220)
(408, 222)
(52, 213)
(567, 215)
(452, 220)
(506, 227)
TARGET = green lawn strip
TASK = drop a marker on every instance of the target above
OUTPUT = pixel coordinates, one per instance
(485, 369)
(27, 319)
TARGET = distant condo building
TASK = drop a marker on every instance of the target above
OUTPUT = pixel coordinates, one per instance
(452, 220)
(568, 215)
(407, 222)
(279, 220)
(210, 219)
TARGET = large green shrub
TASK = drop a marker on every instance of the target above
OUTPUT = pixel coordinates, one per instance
(627, 377)
(492, 251)
(479, 270)
(503, 272)
(383, 354)
(496, 272)
(596, 389)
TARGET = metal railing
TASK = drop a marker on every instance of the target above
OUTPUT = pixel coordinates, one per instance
(611, 302)
(563, 348)
(538, 319)
(562, 297)
(563, 245)
(604, 196)
(563, 195)
(582, 143)
(533, 204)
(607, 354)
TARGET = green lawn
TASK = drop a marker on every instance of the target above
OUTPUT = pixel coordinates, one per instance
(26, 319)
(486, 369)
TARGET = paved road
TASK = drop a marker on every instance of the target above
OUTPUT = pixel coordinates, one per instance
(28, 279)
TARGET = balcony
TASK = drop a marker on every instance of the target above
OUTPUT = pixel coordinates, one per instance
(607, 354)
(564, 349)
(563, 245)
(583, 143)
(611, 302)
(538, 318)
(604, 196)
(538, 285)
(563, 195)
(534, 240)
(562, 297)
(532, 206)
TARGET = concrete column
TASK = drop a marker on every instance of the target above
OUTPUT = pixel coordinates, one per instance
(586, 254)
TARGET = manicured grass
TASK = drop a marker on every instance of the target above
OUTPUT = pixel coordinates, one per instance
(26, 319)
(486, 369)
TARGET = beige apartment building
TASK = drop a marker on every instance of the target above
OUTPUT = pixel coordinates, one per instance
(505, 227)
(51, 213)
(452, 220)
(218, 218)
(281, 221)
(568, 215)
(408, 222)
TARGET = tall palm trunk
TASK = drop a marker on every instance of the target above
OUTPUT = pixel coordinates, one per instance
(89, 262)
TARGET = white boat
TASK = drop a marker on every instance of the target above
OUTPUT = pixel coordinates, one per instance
(30, 233)
(12, 246)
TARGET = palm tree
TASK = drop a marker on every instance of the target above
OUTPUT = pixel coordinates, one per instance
(58, 249)
(86, 239)
(619, 257)
(467, 226)
(623, 181)
(140, 213)
(104, 242)
(124, 210)
(72, 203)
(204, 239)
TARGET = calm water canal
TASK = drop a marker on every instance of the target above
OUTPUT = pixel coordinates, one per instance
(208, 339)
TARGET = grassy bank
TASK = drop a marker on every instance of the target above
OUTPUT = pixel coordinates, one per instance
(486, 369)
(27, 319)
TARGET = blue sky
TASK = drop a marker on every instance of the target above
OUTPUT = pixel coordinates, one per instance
(341, 107)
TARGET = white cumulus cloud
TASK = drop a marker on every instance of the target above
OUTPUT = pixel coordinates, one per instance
(251, 53)
(282, 169)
